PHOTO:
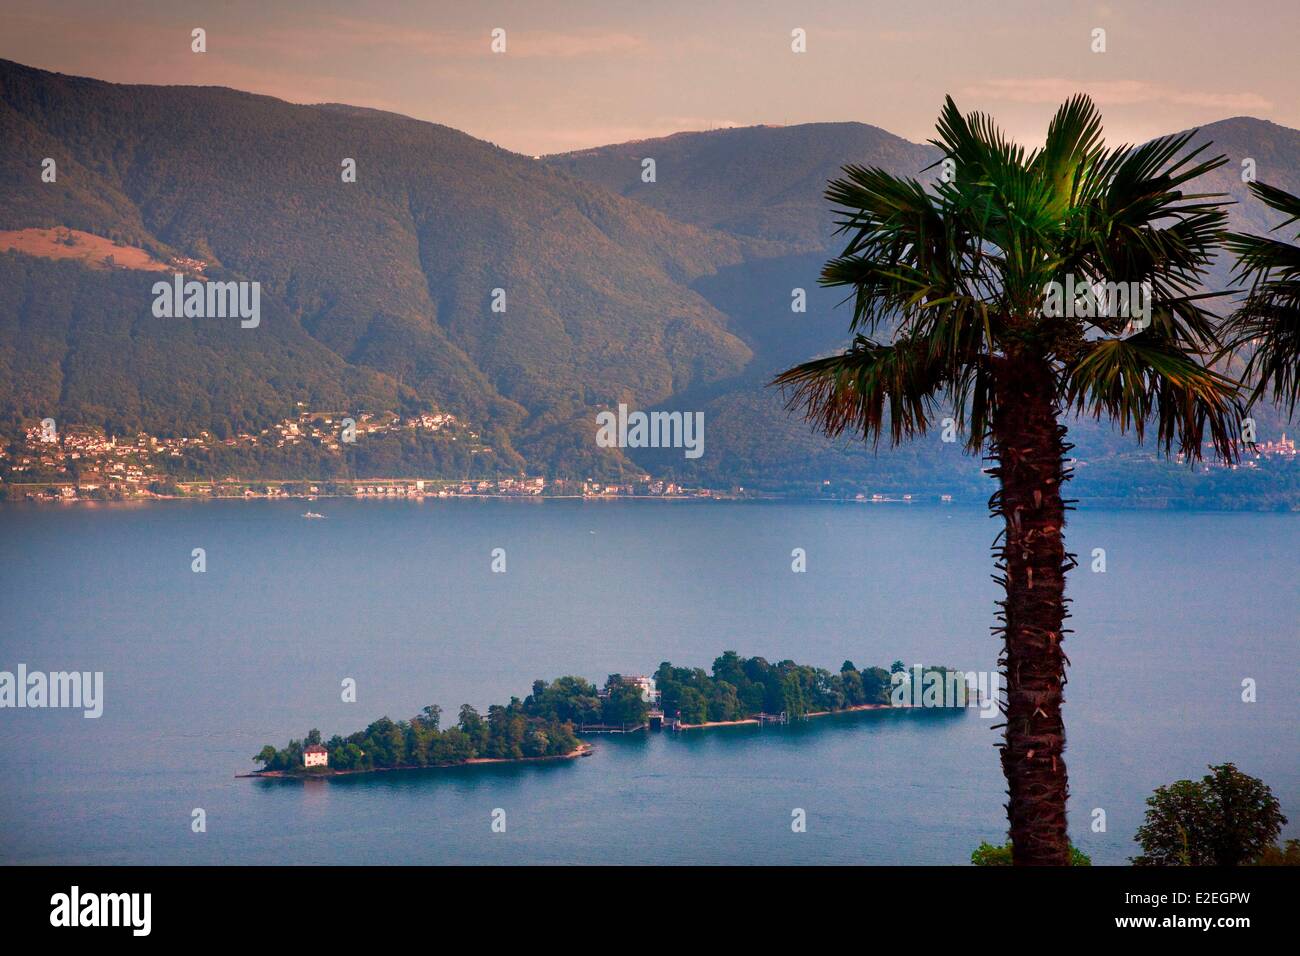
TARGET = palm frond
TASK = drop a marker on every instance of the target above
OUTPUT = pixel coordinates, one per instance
(1278, 199)
(1268, 323)
(900, 249)
(865, 387)
(1141, 378)
(1135, 224)
(1073, 145)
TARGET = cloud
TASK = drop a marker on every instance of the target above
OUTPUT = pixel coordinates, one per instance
(542, 43)
(1110, 93)
(337, 34)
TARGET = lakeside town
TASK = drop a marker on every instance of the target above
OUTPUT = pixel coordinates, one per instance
(84, 463)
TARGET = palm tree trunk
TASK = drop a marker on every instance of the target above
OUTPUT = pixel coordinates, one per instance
(1028, 447)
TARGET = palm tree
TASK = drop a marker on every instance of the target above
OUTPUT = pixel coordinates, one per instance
(1270, 317)
(960, 270)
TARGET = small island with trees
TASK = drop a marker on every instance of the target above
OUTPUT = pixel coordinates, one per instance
(549, 722)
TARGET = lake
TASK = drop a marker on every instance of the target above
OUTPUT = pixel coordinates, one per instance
(201, 670)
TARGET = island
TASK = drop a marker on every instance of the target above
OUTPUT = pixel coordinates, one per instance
(549, 723)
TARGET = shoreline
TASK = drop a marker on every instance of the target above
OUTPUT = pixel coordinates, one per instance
(1155, 505)
(718, 723)
(584, 749)
(505, 496)
(856, 708)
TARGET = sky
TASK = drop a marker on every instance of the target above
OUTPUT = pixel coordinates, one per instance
(579, 74)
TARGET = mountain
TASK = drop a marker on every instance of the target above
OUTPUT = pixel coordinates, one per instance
(760, 181)
(391, 276)
(768, 182)
(378, 295)
(733, 179)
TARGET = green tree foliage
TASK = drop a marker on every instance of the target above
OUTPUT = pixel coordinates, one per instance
(740, 688)
(1286, 855)
(571, 699)
(875, 685)
(1227, 818)
(508, 732)
(986, 854)
(623, 705)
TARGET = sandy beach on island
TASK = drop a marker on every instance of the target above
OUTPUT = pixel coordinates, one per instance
(849, 710)
(754, 720)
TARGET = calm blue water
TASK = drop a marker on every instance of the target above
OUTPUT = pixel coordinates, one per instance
(202, 669)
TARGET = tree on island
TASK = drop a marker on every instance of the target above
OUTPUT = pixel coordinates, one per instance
(510, 732)
(624, 706)
(1227, 818)
(962, 272)
(740, 688)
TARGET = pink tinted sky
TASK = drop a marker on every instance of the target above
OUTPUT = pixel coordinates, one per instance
(582, 73)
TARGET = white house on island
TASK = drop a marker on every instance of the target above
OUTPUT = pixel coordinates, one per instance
(315, 756)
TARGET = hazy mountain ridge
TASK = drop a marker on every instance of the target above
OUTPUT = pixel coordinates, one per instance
(395, 272)
(760, 181)
(761, 290)
(378, 293)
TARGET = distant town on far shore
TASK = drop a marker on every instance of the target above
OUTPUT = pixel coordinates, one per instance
(304, 457)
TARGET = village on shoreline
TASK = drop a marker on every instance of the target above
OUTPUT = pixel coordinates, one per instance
(84, 464)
